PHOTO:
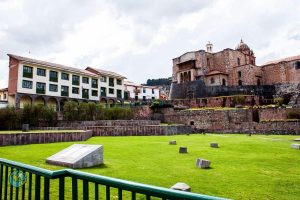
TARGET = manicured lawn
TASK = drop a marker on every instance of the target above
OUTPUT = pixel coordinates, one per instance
(256, 167)
(39, 131)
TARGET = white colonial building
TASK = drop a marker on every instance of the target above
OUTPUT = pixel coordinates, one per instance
(34, 81)
(136, 92)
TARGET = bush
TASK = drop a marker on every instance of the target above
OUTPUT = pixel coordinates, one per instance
(161, 104)
(239, 99)
(278, 101)
(70, 110)
(10, 118)
(294, 114)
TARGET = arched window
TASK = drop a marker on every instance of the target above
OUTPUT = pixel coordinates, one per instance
(212, 80)
(224, 82)
(258, 82)
(238, 61)
(297, 65)
(240, 82)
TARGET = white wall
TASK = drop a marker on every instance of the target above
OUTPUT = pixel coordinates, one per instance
(45, 79)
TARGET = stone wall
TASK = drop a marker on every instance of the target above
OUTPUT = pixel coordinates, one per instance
(38, 138)
(236, 120)
(75, 124)
(141, 130)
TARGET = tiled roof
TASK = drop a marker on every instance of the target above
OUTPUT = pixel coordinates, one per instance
(215, 72)
(3, 89)
(51, 65)
(292, 58)
(132, 84)
(105, 72)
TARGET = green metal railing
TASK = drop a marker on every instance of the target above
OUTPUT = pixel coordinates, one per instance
(80, 185)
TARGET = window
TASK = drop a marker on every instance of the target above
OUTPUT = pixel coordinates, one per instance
(119, 94)
(152, 91)
(53, 88)
(75, 80)
(85, 80)
(153, 98)
(238, 61)
(111, 82)
(240, 82)
(103, 78)
(64, 91)
(297, 65)
(40, 72)
(212, 80)
(103, 91)
(111, 91)
(223, 82)
(208, 63)
(126, 95)
(85, 93)
(64, 76)
(144, 98)
(4, 96)
(27, 84)
(94, 83)
(144, 90)
(75, 90)
(95, 93)
(239, 74)
(27, 71)
(53, 76)
(119, 82)
(40, 88)
(258, 82)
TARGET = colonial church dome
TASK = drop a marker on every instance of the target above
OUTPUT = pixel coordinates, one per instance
(242, 46)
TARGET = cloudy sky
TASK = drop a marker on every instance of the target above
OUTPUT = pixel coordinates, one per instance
(138, 38)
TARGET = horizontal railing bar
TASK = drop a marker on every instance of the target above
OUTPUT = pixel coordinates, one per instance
(110, 182)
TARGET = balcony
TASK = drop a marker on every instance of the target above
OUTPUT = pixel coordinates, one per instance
(64, 94)
(40, 91)
(27, 74)
(40, 181)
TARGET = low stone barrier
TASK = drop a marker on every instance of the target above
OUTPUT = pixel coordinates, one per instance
(107, 123)
(140, 130)
(39, 138)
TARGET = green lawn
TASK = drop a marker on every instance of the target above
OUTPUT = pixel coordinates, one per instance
(40, 131)
(256, 167)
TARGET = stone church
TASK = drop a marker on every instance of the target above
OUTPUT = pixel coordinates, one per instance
(205, 73)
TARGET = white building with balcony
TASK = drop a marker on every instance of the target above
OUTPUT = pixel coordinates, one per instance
(137, 92)
(34, 81)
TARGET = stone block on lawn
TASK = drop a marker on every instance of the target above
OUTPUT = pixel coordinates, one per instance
(202, 163)
(297, 139)
(214, 145)
(295, 146)
(172, 142)
(78, 156)
(181, 186)
(25, 127)
(182, 149)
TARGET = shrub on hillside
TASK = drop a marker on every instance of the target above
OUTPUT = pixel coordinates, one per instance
(294, 114)
(278, 101)
(161, 104)
(239, 99)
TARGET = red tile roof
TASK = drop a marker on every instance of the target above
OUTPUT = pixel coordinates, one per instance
(287, 59)
(215, 72)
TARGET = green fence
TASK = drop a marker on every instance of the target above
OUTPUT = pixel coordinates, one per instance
(21, 181)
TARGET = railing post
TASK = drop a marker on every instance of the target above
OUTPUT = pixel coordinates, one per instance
(74, 189)
(1, 180)
(85, 190)
(37, 188)
(11, 189)
(46, 188)
(96, 191)
(61, 188)
(5, 182)
(30, 186)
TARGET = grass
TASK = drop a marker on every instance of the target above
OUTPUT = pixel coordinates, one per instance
(256, 167)
(39, 131)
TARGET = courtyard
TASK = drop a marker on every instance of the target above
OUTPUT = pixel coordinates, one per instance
(243, 167)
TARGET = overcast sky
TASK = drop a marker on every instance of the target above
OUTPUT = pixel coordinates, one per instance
(139, 38)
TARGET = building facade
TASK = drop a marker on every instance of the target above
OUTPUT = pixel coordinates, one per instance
(3, 97)
(138, 92)
(229, 69)
(34, 81)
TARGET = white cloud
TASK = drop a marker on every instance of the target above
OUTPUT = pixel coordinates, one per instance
(140, 38)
